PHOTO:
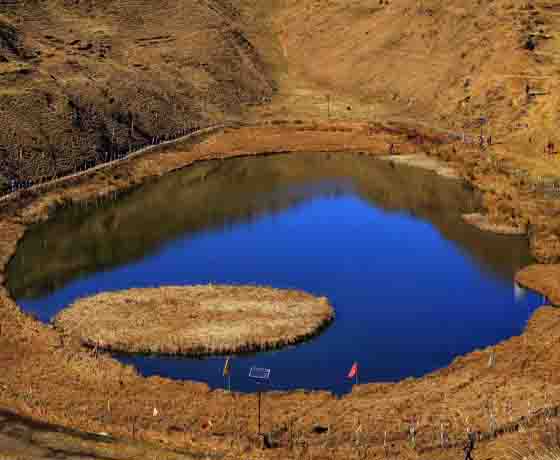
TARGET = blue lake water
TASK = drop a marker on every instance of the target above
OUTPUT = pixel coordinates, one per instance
(412, 285)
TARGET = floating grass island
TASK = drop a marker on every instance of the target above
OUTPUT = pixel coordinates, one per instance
(196, 320)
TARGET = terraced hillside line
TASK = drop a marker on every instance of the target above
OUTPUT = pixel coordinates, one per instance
(482, 222)
(195, 320)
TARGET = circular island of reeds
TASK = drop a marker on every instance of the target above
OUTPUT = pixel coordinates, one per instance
(195, 320)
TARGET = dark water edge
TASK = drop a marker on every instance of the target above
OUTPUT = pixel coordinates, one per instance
(413, 285)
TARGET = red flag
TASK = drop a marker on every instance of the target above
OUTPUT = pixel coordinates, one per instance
(353, 371)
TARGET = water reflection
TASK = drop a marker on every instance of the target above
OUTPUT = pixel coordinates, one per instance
(220, 194)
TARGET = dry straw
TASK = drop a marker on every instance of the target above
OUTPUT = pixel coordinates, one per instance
(196, 320)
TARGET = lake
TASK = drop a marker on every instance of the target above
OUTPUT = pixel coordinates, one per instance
(413, 286)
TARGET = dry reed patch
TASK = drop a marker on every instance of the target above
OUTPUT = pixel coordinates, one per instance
(196, 320)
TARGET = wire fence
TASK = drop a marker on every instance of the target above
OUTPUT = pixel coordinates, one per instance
(109, 159)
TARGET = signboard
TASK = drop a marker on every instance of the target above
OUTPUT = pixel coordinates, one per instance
(259, 373)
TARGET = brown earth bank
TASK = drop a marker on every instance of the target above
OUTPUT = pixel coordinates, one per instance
(195, 320)
(51, 376)
(425, 162)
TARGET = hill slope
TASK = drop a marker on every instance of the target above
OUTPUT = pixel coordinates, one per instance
(82, 78)
(448, 62)
(451, 64)
(78, 79)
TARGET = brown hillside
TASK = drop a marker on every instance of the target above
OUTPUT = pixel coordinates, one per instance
(445, 63)
(430, 59)
(71, 71)
(81, 80)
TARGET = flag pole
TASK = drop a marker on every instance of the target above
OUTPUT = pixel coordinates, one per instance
(353, 374)
(227, 374)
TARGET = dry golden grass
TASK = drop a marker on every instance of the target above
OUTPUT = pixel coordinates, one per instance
(82, 81)
(196, 320)
(543, 453)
